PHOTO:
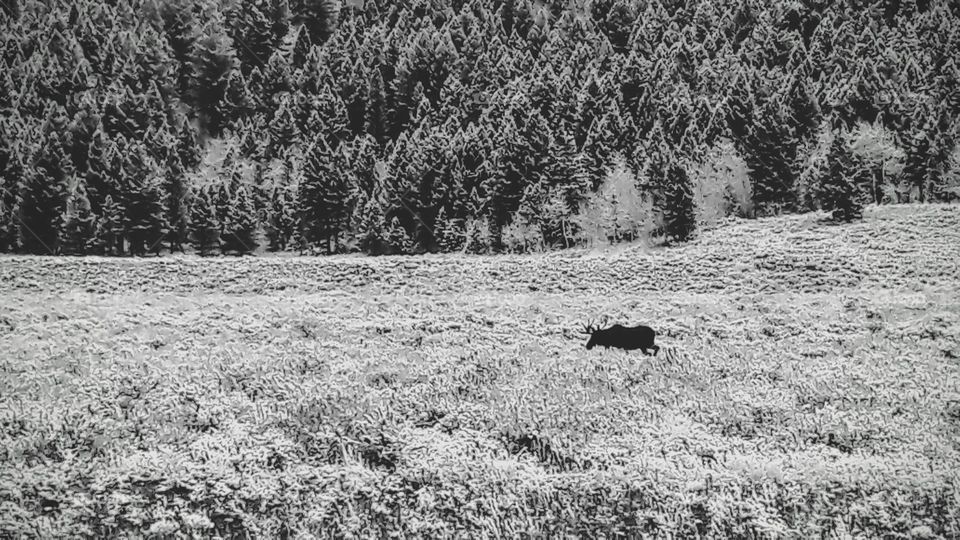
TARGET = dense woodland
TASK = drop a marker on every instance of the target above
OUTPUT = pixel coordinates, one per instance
(139, 126)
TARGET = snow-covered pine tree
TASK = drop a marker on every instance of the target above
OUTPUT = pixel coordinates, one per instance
(78, 230)
(204, 225)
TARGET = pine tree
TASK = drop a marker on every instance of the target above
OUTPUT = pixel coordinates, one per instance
(522, 159)
(769, 132)
(12, 173)
(222, 201)
(943, 188)
(177, 216)
(297, 46)
(240, 225)
(422, 107)
(299, 240)
(927, 152)
(368, 223)
(144, 221)
(139, 188)
(253, 139)
(617, 24)
(97, 244)
(8, 227)
(41, 197)
(139, 112)
(238, 101)
(277, 82)
(103, 169)
(179, 25)
(281, 219)
(82, 128)
(319, 17)
(449, 232)
(204, 225)
(398, 238)
(323, 196)
(679, 212)
(840, 188)
(78, 223)
(188, 149)
(362, 165)
(259, 190)
(283, 130)
(108, 229)
(415, 186)
(375, 120)
(260, 27)
(213, 58)
(570, 172)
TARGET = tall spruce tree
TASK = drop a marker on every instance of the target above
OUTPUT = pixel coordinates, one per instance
(141, 197)
(11, 175)
(8, 227)
(375, 118)
(679, 213)
(281, 219)
(212, 59)
(204, 225)
(319, 17)
(177, 213)
(260, 27)
(108, 229)
(840, 191)
(240, 224)
(323, 196)
(78, 230)
(145, 224)
(41, 197)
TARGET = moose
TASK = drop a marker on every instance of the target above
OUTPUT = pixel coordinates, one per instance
(622, 337)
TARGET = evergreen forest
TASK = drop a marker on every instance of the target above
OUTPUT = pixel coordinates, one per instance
(131, 127)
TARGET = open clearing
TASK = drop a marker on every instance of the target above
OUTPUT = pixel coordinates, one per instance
(808, 386)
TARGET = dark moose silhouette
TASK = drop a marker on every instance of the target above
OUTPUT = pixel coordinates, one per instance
(622, 337)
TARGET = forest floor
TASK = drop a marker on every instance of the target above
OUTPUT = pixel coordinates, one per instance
(808, 386)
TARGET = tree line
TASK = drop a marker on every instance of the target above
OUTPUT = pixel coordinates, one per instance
(137, 126)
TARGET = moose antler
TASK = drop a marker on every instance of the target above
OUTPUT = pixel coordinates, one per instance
(589, 328)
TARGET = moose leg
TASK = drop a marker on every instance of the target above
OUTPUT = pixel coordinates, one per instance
(656, 349)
